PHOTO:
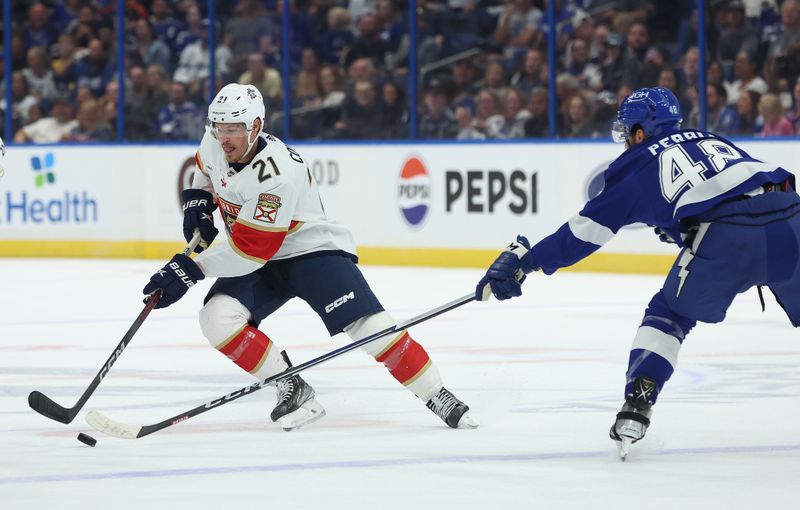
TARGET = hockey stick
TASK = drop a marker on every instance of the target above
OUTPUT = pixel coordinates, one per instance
(104, 424)
(45, 406)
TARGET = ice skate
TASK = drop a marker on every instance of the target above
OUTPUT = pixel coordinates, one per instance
(452, 411)
(634, 417)
(296, 405)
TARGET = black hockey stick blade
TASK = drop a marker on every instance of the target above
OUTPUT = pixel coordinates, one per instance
(114, 428)
(47, 407)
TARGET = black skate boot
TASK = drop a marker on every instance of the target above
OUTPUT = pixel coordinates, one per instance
(634, 417)
(452, 411)
(296, 405)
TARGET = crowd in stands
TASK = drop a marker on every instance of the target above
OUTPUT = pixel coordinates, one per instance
(482, 66)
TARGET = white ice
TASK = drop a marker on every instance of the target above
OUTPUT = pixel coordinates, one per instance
(543, 373)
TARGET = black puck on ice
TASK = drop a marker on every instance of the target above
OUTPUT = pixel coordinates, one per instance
(87, 439)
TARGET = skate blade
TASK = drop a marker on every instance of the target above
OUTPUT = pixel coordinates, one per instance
(309, 412)
(624, 447)
(468, 422)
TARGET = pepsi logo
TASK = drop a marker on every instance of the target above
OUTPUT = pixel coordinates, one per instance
(414, 191)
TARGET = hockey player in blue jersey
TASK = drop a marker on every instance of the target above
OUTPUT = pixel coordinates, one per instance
(735, 218)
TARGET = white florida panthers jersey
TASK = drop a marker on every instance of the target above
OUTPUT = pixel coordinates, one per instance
(271, 208)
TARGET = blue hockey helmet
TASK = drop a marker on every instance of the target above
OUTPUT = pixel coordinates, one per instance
(656, 110)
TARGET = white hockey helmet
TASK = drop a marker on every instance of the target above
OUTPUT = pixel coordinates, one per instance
(237, 103)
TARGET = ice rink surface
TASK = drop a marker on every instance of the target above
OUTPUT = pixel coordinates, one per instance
(543, 373)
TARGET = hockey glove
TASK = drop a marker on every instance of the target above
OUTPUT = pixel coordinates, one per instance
(663, 236)
(505, 276)
(174, 279)
(198, 206)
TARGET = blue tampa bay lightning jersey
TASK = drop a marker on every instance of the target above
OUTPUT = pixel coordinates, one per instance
(663, 182)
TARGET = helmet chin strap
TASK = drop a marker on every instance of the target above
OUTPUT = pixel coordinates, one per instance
(249, 143)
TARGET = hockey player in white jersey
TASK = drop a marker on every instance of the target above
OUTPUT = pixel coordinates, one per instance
(280, 245)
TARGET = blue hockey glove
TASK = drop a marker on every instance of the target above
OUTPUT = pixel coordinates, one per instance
(505, 276)
(198, 206)
(174, 279)
(663, 236)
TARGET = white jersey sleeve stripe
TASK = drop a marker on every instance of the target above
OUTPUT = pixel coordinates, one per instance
(589, 231)
(723, 182)
(655, 340)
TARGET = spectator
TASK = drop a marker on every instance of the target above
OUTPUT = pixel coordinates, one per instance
(517, 28)
(578, 118)
(538, 125)
(265, 79)
(151, 51)
(690, 68)
(637, 40)
(486, 107)
(22, 100)
(368, 42)
(307, 89)
(361, 117)
(794, 113)
(617, 67)
(65, 65)
(180, 119)
(494, 79)
(141, 108)
(38, 30)
(193, 66)
(588, 74)
(91, 125)
(438, 121)
(337, 38)
(744, 70)
(790, 29)
(668, 78)
(720, 118)
(463, 82)
(251, 20)
(331, 82)
(390, 23)
(736, 33)
(166, 28)
(94, 69)
(466, 127)
(158, 85)
(394, 112)
(747, 108)
(532, 73)
(775, 122)
(50, 129)
(511, 123)
(39, 75)
(85, 27)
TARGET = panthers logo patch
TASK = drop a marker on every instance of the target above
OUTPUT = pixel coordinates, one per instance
(267, 208)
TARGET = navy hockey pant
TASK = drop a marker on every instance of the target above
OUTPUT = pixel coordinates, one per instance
(740, 244)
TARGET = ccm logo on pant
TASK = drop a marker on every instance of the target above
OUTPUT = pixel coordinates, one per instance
(340, 301)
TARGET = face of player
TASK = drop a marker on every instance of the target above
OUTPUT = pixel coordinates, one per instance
(234, 139)
(635, 139)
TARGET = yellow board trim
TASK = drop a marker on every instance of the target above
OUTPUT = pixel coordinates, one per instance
(431, 257)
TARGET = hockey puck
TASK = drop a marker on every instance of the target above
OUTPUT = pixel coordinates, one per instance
(87, 439)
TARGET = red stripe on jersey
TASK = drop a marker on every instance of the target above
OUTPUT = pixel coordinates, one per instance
(256, 243)
(248, 348)
(198, 161)
(405, 359)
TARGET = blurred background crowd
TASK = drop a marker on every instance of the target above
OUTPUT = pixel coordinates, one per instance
(480, 69)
